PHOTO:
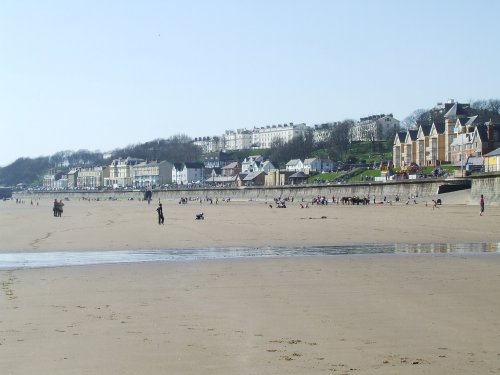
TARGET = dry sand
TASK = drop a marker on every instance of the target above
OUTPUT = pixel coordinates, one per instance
(365, 314)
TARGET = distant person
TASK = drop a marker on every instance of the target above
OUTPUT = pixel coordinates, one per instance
(161, 218)
(60, 206)
(55, 208)
(434, 204)
(481, 205)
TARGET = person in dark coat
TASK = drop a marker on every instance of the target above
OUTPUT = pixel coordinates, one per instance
(161, 218)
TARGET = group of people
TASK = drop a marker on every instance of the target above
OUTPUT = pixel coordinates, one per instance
(58, 208)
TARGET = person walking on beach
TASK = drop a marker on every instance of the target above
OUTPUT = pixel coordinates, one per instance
(161, 218)
(55, 208)
(481, 205)
(60, 206)
(434, 204)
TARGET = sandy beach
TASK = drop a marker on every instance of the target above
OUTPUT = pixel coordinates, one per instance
(112, 225)
(358, 314)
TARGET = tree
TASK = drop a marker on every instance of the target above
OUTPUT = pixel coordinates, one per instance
(494, 105)
(412, 119)
(340, 138)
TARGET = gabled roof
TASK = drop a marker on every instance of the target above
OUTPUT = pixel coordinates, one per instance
(232, 165)
(298, 175)
(452, 112)
(253, 158)
(439, 127)
(252, 176)
(294, 162)
(482, 133)
(457, 110)
(475, 160)
(181, 166)
(310, 160)
(424, 130)
(494, 153)
(412, 135)
(400, 136)
(471, 120)
(266, 163)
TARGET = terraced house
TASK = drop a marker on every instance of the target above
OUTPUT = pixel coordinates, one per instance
(460, 136)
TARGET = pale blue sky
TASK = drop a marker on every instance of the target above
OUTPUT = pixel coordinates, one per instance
(99, 75)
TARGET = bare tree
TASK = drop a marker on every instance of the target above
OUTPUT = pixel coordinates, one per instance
(494, 105)
(413, 118)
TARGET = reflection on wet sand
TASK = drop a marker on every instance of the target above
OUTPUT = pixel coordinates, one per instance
(58, 259)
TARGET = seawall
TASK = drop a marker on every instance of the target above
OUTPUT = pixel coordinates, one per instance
(425, 189)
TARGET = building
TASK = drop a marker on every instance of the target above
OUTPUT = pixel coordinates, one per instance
(72, 178)
(240, 139)
(461, 137)
(398, 149)
(436, 149)
(91, 177)
(251, 164)
(217, 159)
(188, 173)
(257, 178)
(263, 137)
(422, 145)
(152, 174)
(209, 144)
(244, 139)
(120, 172)
(316, 165)
(492, 161)
(295, 165)
(232, 169)
(455, 112)
(375, 128)
(410, 148)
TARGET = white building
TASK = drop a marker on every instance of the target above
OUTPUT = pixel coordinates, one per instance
(251, 164)
(209, 144)
(295, 165)
(240, 139)
(264, 136)
(375, 128)
(184, 174)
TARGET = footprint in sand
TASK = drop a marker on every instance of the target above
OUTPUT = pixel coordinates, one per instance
(37, 241)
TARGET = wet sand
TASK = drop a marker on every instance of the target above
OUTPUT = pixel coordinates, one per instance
(364, 314)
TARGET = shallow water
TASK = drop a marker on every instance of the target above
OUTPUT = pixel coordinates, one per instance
(58, 259)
